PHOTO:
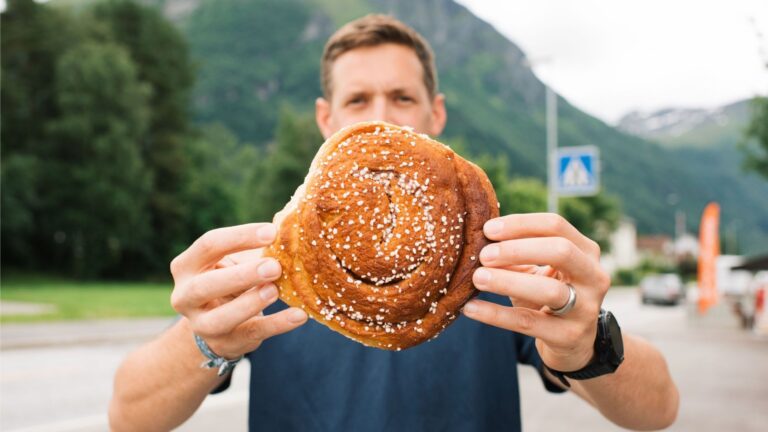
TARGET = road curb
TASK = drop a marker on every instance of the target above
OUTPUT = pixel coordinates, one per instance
(36, 335)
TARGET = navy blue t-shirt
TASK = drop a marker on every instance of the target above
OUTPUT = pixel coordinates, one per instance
(314, 379)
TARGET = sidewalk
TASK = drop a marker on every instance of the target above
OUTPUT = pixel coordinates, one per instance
(32, 335)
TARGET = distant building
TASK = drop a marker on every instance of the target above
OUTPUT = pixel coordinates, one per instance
(623, 253)
(628, 249)
(658, 248)
(663, 249)
(686, 246)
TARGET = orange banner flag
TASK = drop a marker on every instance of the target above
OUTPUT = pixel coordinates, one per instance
(709, 241)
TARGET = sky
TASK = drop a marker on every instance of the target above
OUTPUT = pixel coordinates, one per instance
(611, 57)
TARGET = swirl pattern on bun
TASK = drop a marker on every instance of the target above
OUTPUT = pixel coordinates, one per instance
(381, 240)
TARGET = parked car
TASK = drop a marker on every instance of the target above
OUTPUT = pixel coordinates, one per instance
(666, 288)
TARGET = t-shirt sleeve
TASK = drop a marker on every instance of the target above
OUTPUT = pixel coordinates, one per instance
(224, 385)
(527, 354)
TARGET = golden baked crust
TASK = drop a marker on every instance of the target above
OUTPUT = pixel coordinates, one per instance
(381, 240)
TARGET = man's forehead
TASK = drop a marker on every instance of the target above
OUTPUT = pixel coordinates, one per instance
(368, 86)
(387, 67)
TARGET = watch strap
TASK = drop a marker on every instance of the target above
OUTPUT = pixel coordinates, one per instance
(589, 371)
(559, 375)
(593, 371)
(600, 365)
(214, 360)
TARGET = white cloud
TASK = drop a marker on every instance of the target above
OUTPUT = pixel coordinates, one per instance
(608, 57)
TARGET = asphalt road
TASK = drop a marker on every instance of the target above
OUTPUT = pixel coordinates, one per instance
(721, 371)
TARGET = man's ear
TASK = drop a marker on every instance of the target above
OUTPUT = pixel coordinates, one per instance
(439, 115)
(323, 117)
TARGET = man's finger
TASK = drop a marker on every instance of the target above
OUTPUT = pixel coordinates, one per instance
(224, 318)
(212, 246)
(522, 320)
(244, 256)
(518, 226)
(277, 323)
(221, 282)
(530, 288)
(556, 252)
(569, 341)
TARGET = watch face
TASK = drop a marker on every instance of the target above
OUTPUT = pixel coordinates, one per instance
(614, 333)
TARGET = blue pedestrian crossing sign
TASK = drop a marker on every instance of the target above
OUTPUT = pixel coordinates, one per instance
(578, 171)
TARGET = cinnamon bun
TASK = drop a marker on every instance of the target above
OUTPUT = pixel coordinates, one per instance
(381, 240)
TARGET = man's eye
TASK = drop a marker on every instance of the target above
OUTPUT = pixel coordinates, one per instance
(356, 101)
(403, 98)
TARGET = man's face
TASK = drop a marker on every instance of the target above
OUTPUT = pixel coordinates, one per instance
(383, 82)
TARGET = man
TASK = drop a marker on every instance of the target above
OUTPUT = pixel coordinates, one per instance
(305, 377)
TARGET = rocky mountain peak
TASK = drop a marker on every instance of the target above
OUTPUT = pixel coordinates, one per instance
(670, 123)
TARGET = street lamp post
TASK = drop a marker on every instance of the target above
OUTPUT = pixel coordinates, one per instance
(550, 101)
(551, 107)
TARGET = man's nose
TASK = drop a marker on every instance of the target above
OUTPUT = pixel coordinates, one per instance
(381, 110)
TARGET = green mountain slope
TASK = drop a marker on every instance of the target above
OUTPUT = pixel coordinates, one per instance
(254, 56)
(706, 141)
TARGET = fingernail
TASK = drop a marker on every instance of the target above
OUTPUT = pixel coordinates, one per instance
(493, 227)
(266, 233)
(489, 252)
(296, 315)
(268, 292)
(470, 308)
(268, 269)
(481, 277)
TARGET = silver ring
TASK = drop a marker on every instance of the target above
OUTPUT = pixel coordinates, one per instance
(568, 305)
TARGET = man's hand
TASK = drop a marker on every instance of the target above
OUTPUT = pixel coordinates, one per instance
(534, 258)
(222, 285)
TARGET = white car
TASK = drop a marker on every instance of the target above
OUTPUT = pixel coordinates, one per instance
(666, 288)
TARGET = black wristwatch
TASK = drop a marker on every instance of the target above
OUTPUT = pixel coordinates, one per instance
(609, 352)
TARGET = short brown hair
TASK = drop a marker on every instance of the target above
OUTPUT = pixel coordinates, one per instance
(373, 30)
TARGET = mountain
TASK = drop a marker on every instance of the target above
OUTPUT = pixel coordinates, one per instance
(709, 139)
(690, 127)
(254, 56)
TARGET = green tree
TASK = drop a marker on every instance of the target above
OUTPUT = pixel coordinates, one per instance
(519, 195)
(20, 200)
(522, 195)
(276, 178)
(527, 195)
(596, 216)
(162, 61)
(32, 38)
(102, 173)
(757, 155)
(95, 181)
(215, 189)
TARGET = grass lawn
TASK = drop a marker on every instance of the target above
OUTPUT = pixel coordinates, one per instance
(86, 300)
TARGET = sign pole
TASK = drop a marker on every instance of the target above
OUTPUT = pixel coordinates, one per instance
(551, 107)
